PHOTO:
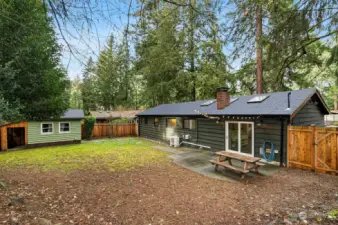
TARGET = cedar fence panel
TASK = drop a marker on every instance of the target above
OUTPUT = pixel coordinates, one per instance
(105, 130)
(313, 148)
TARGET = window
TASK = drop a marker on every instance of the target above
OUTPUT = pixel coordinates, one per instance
(64, 127)
(46, 128)
(156, 121)
(240, 137)
(189, 124)
(259, 98)
(207, 103)
(171, 122)
(233, 99)
(144, 120)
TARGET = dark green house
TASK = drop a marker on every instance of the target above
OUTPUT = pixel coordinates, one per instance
(239, 124)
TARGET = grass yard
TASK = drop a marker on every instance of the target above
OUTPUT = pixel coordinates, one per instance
(116, 156)
(127, 181)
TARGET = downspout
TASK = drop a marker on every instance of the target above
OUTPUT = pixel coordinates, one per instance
(138, 126)
(281, 158)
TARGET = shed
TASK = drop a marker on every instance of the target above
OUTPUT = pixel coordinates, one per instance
(64, 130)
(239, 124)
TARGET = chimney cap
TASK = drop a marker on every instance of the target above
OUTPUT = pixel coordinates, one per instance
(221, 89)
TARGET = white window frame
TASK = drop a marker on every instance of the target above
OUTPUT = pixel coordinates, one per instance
(239, 137)
(64, 132)
(41, 130)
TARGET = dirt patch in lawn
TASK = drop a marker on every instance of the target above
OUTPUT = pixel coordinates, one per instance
(164, 194)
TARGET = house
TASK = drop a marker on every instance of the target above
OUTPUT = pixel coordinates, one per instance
(106, 116)
(239, 124)
(65, 130)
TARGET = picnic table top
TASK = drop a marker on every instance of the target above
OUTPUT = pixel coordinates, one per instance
(238, 156)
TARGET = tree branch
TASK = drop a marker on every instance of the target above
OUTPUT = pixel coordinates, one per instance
(286, 63)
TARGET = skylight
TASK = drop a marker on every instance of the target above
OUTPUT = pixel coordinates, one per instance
(207, 103)
(259, 98)
(233, 100)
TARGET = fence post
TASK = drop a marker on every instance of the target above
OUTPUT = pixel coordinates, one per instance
(289, 145)
(336, 151)
(313, 147)
(136, 129)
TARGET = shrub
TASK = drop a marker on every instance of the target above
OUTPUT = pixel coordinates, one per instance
(89, 126)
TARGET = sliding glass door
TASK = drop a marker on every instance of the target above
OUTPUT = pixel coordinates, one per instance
(239, 137)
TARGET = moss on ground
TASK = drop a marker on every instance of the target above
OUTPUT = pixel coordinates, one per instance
(109, 154)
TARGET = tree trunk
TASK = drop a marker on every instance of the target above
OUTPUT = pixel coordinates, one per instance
(192, 50)
(259, 51)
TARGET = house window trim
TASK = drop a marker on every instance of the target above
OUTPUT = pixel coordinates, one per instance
(144, 121)
(168, 118)
(185, 128)
(65, 132)
(158, 122)
(226, 127)
(48, 133)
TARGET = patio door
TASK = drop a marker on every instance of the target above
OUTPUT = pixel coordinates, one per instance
(239, 137)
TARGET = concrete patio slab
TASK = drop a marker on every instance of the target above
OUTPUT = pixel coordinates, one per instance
(198, 161)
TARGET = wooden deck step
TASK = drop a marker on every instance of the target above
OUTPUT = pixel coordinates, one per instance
(229, 166)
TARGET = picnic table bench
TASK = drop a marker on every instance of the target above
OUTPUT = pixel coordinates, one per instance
(250, 163)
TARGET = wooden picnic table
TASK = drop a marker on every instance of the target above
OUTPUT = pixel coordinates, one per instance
(250, 163)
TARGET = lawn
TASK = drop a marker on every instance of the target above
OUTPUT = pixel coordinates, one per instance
(113, 155)
(127, 181)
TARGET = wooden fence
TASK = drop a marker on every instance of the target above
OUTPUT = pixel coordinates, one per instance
(105, 130)
(313, 148)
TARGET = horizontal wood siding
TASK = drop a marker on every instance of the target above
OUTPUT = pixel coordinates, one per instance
(211, 134)
(270, 130)
(162, 132)
(308, 115)
(35, 136)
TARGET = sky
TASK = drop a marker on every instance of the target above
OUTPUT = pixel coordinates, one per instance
(81, 40)
(107, 17)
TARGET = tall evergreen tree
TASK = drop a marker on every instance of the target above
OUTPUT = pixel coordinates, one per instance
(76, 101)
(33, 84)
(159, 54)
(108, 74)
(89, 88)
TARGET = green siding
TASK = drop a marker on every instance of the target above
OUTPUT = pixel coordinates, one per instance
(35, 136)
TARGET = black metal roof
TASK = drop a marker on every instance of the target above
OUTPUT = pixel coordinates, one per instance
(275, 104)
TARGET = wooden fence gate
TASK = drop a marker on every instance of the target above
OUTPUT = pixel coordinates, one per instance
(313, 148)
(105, 130)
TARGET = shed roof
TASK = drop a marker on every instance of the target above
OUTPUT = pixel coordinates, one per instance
(275, 104)
(115, 114)
(73, 114)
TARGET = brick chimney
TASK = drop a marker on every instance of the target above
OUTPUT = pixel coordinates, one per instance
(223, 98)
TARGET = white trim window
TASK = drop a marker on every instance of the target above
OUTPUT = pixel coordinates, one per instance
(47, 128)
(64, 127)
(239, 137)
